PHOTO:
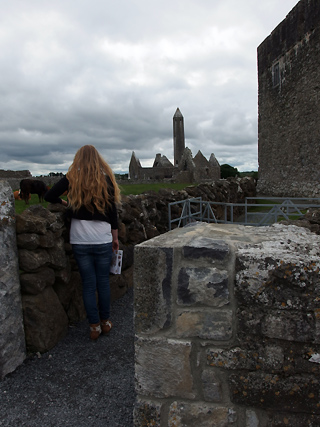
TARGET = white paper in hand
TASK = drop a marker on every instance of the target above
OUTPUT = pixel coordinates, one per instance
(116, 262)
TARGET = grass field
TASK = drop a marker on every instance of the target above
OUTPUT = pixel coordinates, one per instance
(134, 189)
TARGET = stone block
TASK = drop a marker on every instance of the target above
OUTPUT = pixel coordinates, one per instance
(295, 393)
(252, 419)
(289, 326)
(211, 386)
(206, 247)
(185, 414)
(152, 288)
(33, 260)
(45, 320)
(204, 286)
(30, 224)
(147, 413)
(254, 357)
(57, 255)
(283, 419)
(205, 324)
(28, 241)
(163, 368)
(35, 283)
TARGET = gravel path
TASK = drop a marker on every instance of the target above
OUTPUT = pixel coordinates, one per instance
(79, 382)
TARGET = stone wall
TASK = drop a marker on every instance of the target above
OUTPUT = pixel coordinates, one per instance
(227, 327)
(12, 342)
(288, 128)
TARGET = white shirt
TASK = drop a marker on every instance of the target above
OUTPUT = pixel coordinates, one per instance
(83, 232)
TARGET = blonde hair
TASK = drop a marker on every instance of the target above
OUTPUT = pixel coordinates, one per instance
(87, 181)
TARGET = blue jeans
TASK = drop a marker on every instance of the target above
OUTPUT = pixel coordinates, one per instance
(94, 266)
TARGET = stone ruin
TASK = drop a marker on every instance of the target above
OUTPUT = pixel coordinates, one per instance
(186, 168)
(289, 127)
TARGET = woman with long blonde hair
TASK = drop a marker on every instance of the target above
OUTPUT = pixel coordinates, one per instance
(93, 195)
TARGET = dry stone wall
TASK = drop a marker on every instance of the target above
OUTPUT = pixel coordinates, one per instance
(227, 327)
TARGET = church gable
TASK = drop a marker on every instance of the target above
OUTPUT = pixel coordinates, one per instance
(200, 161)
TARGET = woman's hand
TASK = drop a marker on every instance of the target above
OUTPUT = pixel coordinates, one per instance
(115, 241)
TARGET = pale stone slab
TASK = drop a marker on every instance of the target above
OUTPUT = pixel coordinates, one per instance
(152, 267)
(163, 368)
(205, 324)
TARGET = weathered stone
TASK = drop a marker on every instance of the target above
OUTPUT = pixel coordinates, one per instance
(289, 326)
(76, 310)
(206, 247)
(297, 393)
(147, 413)
(63, 276)
(118, 286)
(35, 283)
(206, 324)
(30, 224)
(57, 255)
(183, 414)
(152, 303)
(297, 420)
(203, 285)
(163, 368)
(48, 240)
(33, 260)
(252, 419)
(211, 387)
(45, 321)
(65, 292)
(28, 241)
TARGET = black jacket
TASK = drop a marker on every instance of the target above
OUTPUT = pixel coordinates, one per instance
(110, 215)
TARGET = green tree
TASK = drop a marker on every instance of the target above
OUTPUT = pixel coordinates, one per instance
(227, 170)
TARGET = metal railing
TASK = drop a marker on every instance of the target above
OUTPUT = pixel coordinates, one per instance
(255, 214)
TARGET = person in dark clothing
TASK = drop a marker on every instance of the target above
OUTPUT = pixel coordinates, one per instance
(93, 195)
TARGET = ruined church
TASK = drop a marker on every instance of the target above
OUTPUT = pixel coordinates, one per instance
(186, 168)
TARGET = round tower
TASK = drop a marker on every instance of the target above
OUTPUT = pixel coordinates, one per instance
(178, 137)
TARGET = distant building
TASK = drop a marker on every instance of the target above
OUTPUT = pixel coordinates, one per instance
(185, 169)
(289, 105)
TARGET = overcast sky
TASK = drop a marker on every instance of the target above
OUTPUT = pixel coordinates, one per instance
(112, 74)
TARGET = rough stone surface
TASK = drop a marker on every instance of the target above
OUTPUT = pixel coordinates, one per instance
(289, 129)
(147, 413)
(35, 283)
(12, 342)
(152, 303)
(45, 321)
(163, 368)
(191, 414)
(214, 325)
(211, 386)
(251, 318)
(203, 285)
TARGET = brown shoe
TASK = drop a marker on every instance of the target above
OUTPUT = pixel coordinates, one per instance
(95, 331)
(106, 326)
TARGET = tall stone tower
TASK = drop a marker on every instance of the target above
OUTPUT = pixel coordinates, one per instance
(178, 137)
